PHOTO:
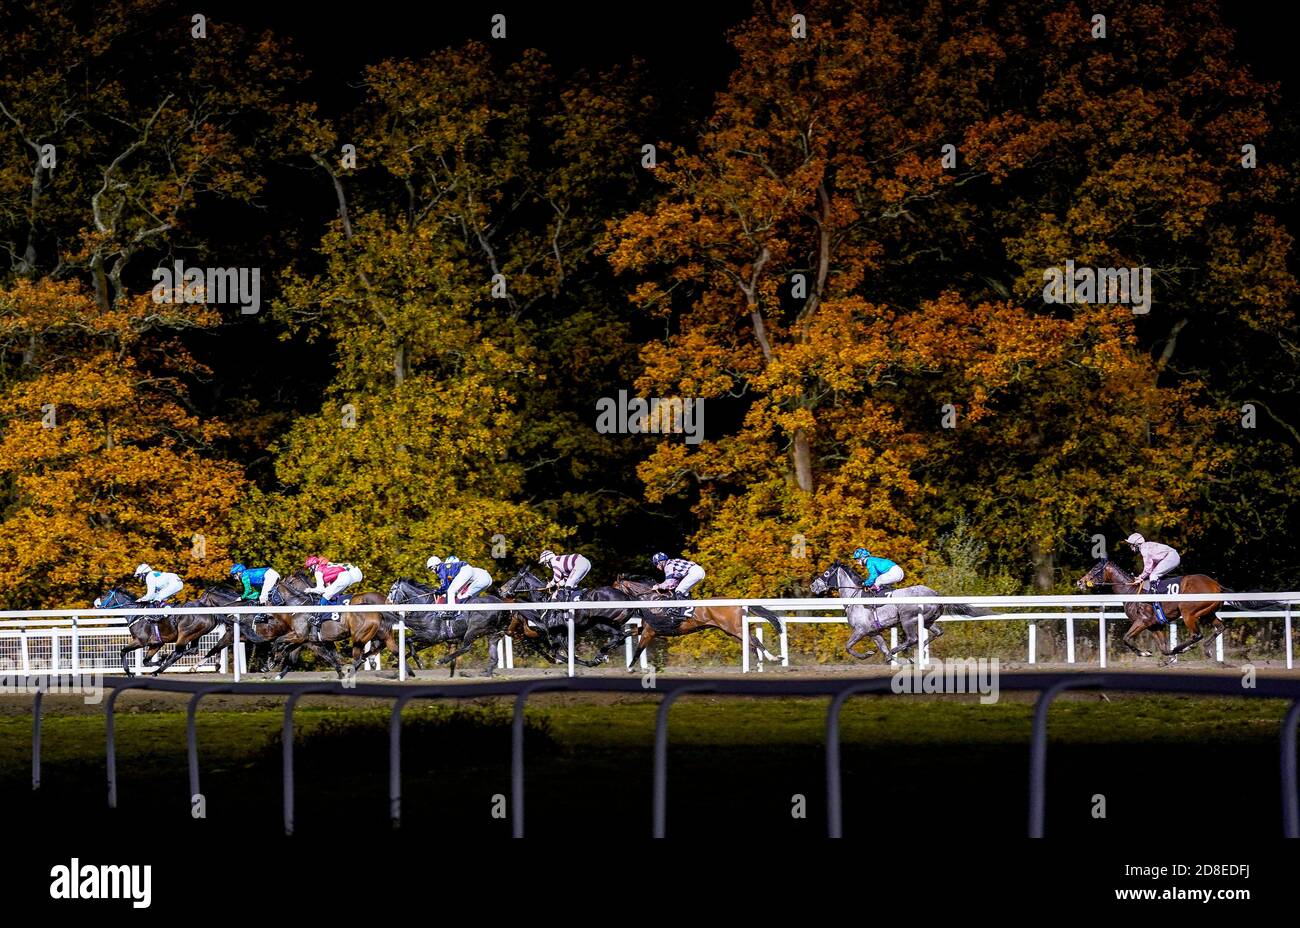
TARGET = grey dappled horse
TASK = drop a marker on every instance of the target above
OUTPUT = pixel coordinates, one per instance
(874, 615)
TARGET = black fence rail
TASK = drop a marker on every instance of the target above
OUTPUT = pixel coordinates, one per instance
(1050, 685)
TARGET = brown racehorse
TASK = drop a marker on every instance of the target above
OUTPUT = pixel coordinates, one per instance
(659, 624)
(1143, 616)
(360, 627)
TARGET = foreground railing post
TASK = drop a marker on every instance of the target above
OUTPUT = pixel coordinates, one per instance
(1101, 637)
(661, 757)
(1033, 642)
(1290, 788)
(395, 759)
(517, 763)
(36, 735)
(286, 735)
(1038, 757)
(1069, 638)
(191, 737)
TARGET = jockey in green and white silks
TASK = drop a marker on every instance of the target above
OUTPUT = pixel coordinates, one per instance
(881, 571)
(159, 586)
(257, 581)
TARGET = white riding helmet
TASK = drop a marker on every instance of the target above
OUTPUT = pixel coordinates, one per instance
(433, 562)
(1135, 539)
(142, 570)
(452, 559)
(547, 556)
(99, 602)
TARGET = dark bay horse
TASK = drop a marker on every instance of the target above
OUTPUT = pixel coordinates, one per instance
(459, 629)
(190, 628)
(658, 624)
(549, 629)
(140, 627)
(1194, 615)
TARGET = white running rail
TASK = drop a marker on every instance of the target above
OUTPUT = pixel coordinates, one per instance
(87, 640)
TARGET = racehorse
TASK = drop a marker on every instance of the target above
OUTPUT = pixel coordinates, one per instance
(1193, 614)
(190, 628)
(140, 627)
(360, 627)
(657, 624)
(875, 615)
(553, 623)
(461, 629)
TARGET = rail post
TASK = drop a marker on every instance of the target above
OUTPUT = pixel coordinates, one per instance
(1101, 637)
(1069, 637)
(893, 643)
(1033, 642)
(922, 650)
(744, 640)
(76, 649)
(1289, 656)
(401, 650)
(572, 644)
(235, 649)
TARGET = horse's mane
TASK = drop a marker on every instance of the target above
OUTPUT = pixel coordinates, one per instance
(1125, 576)
(637, 578)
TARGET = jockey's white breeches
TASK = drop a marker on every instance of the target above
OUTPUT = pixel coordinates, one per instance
(468, 583)
(342, 582)
(890, 577)
(692, 577)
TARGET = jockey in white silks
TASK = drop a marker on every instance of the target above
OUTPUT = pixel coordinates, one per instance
(159, 586)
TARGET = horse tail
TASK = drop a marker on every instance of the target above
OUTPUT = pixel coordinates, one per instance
(1252, 605)
(964, 609)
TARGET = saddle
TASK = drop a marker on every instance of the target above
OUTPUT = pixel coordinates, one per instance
(1163, 584)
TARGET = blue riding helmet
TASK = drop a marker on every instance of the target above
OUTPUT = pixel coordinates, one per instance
(659, 558)
(860, 553)
(237, 569)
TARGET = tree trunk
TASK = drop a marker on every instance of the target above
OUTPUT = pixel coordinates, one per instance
(802, 453)
(1044, 562)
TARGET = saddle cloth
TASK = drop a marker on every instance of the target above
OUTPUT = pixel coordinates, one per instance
(1162, 585)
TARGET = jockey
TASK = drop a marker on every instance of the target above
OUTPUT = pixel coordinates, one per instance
(679, 574)
(159, 588)
(567, 570)
(258, 582)
(881, 571)
(467, 582)
(444, 571)
(331, 579)
(1157, 559)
